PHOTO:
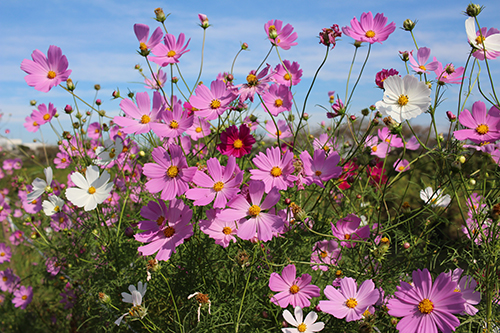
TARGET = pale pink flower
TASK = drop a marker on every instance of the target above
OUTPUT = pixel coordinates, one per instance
(170, 51)
(273, 169)
(370, 29)
(292, 290)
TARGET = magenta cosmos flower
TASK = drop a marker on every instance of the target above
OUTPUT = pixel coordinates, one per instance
(199, 129)
(170, 51)
(320, 169)
(370, 29)
(326, 252)
(142, 33)
(279, 35)
(483, 126)
(219, 185)
(175, 122)
(234, 142)
(346, 229)
(419, 65)
(223, 232)
(384, 74)
(273, 169)
(466, 285)
(5, 253)
(277, 99)
(170, 175)
(46, 72)
(292, 290)
(252, 220)
(43, 114)
(349, 302)
(22, 297)
(211, 103)
(449, 74)
(166, 228)
(256, 83)
(282, 130)
(289, 74)
(426, 307)
(139, 118)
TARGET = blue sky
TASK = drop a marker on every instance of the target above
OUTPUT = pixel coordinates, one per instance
(98, 39)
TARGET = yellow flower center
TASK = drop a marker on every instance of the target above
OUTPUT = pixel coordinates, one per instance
(347, 236)
(374, 149)
(294, 289)
(425, 306)
(160, 220)
(456, 290)
(252, 79)
(278, 102)
(278, 133)
(24, 297)
(286, 76)
(2, 254)
(254, 210)
(401, 168)
(46, 116)
(302, 327)
(227, 230)
(366, 313)
(351, 303)
(218, 186)
(169, 232)
(403, 100)
(385, 240)
(112, 155)
(276, 171)
(237, 144)
(171, 53)
(480, 39)
(174, 124)
(271, 28)
(4, 279)
(198, 129)
(370, 34)
(143, 47)
(215, 104)
(35, 123)
(51, 75)
(482, 129)
(145, 119)
(91, 190)
(61, 219)
(172, 171)
(422, 67)
(34, 202)
(324, 254)
(318, 173)
(56, 208)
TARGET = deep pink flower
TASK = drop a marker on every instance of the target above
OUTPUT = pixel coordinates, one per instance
(384, 74)
(349, 302)
(220, 184)
(8, 280)
(143, 115)
(170, 174)
(292, 290)
(279, 35)
(53, 267)
(166, 228)
(466, 285)
(483, 126)
(252, 220)
(370, 29)
(327, 253)
(426, 307)
(277, 99)
(346, 229)
(319, 169)
(22, 297)
(46, 72)
(223, 232)
(142, 33)
(62, 160)
(94, 131)
(289, 74)
(211, 103)
(234, 142)
(256, 83)
(328, 36)
(273, 169)
(377, 174)
(450, 75)
(170, 51)
(5, 253)
(419, 65)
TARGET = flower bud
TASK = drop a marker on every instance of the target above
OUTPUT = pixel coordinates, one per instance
(102, 113)
(273, 33)
(306, 116)
(175, 79)
(365, 112)
(244, 46)
(462, 159)
(129, 232)
(352, 117)
(357, 43)
(33, 102)
(160, 15)
(116, 94)
(70, 85)
(472, 182)
(406, 245)
(97, 87)
(130, 94)
(88, 113)
(68, 109)
(104, 299)
(404, 55)
(473, 10)
(98, 102)
(408, 25)
(451, 116)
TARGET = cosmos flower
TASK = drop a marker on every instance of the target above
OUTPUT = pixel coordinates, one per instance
(307, 325)
(277, 99)
(349, 302)
(223, 232)
(401, 165)
(319, 169)
(347, 229)
(22, 297)
(157, 80)
(370, 29)
(325, 252)
(211, 103)
(482, 126)
(170, 51)
(279, 35)
(289, 74)
(175, 122)
(292, 290)
(404, 98)
(436, 199)
(90, 190)
(40, 186)
(256, 83)
(44, 73)
(234, 142)
(199, 129)
(273, 169)
(384, 74)
(282, 130)
(53, 206)
(486, 42)
(134, 298)
(419, 65)
(466, 285)
(426, 306)
(142, 33)
(5, 253)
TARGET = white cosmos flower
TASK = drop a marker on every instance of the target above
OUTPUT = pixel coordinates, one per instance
(307, 325)
(40, 185)
(52, 206)
(134, 298)
(491, 42)
(91, 190)
(404, 98)
(435, 198)
(109, 152)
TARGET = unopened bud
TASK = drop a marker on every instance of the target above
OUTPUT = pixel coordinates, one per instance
(353, 118)
(408, 25)
(103, 298)
(175, 79)
(130, 94)
(244, 46)
(33, 102)
(462, 159)
(68, 109)
(160, 15)
(88, 113)
(98, 102)
(473, 10)
(116, 94)
(406, 245)
(102, 113)
(472, 182)
(451, 116)
(365, 112)
(97, 87)
(357, 43)
(142, 153)
(70, 85)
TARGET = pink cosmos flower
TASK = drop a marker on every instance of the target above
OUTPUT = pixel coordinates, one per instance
(199, 129)
(326, 252)
(234, 142)
(485, 42)
(170, 175)
(68, 297)
(319, 169)
(279, 35)
(143, 115)
(175, 123)
(256, 83)
(419, 65)
(46, 72)
(211, 103)
(260, 223)
(328, 36)
(62, 160)
(273, 169)
(347, 229)
(17, 237)
(5, 253)
(142, 33)
(31, 125)
(157, 80)
(384, 74)
(483, 126)
(223, 232)
(23, 297)
(370, 29)
(401, 165)
(289, 74)
(53, 267)
(426, 307)
(292, 290)
(283, 130)
(349, 302)
(203, 21)
(379, 149)
(325, 142)
(43, 114)
(166, 228)
(221, 184)
(170, 51)
(449, 74)
(252, 122)
(466, 285)
(94, 131)
(277, 99)
(8, 280)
